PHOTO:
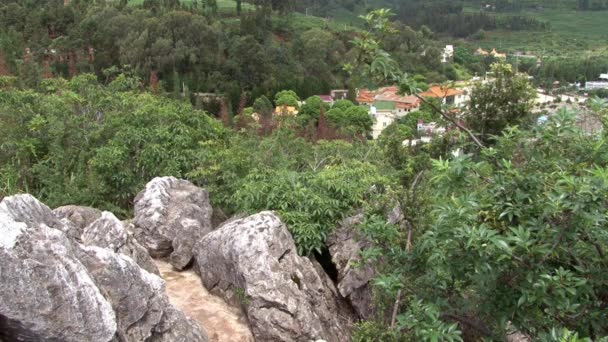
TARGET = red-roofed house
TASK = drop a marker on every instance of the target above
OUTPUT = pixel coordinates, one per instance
(386, 105)
(447, 95)
(365, 96)
(327, 99)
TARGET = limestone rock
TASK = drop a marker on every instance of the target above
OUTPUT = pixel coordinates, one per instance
(142, 308)
(27, 209)
(353, 282)
(55, 289)
(47, 294)
(108, 232)
(171, 215)
(79, 216)
(254, 261)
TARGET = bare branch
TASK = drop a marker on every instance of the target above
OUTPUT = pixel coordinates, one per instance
(452, 120)
(396, 308)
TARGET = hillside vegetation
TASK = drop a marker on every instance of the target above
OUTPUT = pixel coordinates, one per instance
(493, 228)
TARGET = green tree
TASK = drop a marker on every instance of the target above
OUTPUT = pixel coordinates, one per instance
(310, 110)
(287, 98)
(263, 106)
(342, 104)
(504, 101)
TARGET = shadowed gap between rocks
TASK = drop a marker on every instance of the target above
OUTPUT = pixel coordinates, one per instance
(324, 258)
(12, 331)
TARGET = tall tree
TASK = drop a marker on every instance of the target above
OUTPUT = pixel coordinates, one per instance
(504, 101)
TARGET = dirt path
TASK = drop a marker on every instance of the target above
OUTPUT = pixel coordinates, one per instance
(223, 323)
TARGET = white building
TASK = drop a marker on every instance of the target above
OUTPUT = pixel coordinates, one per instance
(384, 115)
(603, 84)
(448, 54)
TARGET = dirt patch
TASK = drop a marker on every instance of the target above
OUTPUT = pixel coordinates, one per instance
(222, 322)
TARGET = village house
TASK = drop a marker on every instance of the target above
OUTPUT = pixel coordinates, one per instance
(601, 84)
(339, 94)
(327, 99)
(447, 96)
(493, 53)
(285, 111)
(429, 129)
(386, 106)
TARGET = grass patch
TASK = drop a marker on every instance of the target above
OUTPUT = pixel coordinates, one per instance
(225, 7)
(572, 33)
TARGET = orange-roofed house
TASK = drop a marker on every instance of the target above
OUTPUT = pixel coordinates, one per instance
(386, 106)
(497, 54)
(448, 96)
(365, 97)
(285, 111)
(481, 52)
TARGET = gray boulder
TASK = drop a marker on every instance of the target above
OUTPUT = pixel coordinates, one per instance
(142, 308)
(354, 279)
(253, 261)
(108, 232)
(171, 215)
(79, 216)
(47, 294)
(27, 209)
(55, 289)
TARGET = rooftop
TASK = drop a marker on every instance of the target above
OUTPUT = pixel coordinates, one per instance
(384, 105)
(440, 92)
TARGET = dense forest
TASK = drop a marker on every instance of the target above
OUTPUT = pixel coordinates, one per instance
(504, 227)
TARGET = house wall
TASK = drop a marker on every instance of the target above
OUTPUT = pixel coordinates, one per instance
(596, 85)
(381, 120)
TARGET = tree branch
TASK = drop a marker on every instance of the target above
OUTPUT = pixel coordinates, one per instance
(475, 325)
(396, 308)
(450, 119)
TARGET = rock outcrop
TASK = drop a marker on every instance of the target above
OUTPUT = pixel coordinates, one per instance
(353, 278)
(79, 216)
(55, 289)
(254, 261)
(143, 311)
(108, 232)
(27, 209)
(171, 215)
(47, 294)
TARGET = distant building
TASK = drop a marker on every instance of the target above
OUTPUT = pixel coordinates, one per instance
(386, 106)
(339, 94)
(428, 129)
(448, 96)
(285, 111)
(448, 54)
(496, 54)
(481, 52)
(327, 99)
(493, 53)
(602, 84)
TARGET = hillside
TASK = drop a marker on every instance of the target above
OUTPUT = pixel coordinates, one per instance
(303, 170)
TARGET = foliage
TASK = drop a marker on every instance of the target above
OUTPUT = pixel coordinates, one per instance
(263, 106)
(352, 119)
(310, 203)
(505, 100)
(310, 110)
(287, 98)
(516, 235)
(80, 142)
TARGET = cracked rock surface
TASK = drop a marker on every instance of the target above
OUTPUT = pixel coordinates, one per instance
(55, 289)
(109, 232)
(171, 215)
(79, 216)
(253, 262)
(354, 280)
